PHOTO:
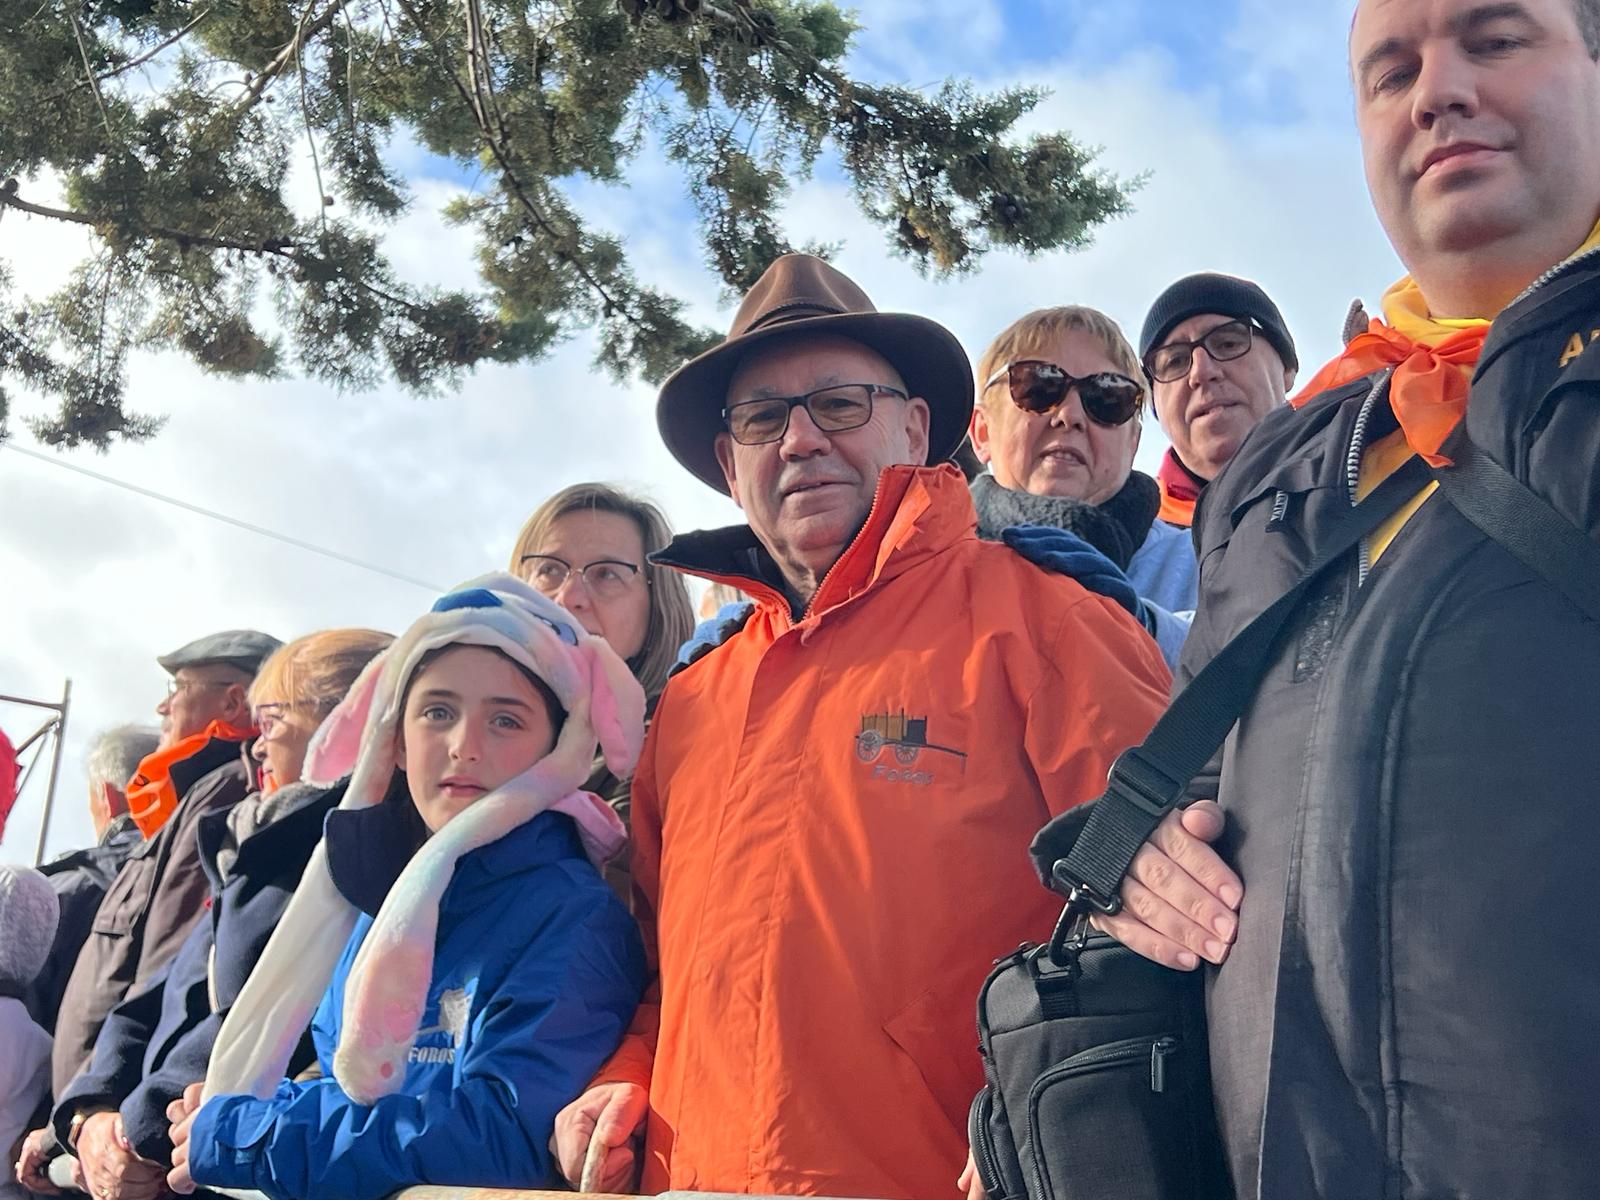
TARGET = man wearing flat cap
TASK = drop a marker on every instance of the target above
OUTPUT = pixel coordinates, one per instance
(832, 809)
(159, 894)
(1219, 358)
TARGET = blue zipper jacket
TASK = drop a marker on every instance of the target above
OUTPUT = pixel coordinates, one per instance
(537, 971)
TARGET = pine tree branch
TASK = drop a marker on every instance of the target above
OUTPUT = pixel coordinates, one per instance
(280, 247)
(290, 53)
(493, 141)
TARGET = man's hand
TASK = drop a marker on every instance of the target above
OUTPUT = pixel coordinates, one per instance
(181, 1113)
(32, 1166)
(607, 1116)
(111, 1169)
(971, 1183)
(1180, 900)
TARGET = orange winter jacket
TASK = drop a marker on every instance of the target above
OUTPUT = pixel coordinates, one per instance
(831, 821)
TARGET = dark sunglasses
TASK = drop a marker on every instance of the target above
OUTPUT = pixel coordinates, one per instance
(1108, 398)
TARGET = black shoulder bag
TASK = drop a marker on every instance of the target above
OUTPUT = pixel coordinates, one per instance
(1098, 1082)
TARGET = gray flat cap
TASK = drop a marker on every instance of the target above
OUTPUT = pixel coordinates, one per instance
(242, 648)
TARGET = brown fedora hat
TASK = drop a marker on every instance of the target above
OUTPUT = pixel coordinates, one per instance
(799, 293)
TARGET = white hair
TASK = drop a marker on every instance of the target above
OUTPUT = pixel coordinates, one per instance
(117, 753)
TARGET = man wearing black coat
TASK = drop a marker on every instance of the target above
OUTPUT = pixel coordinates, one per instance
(80, 877)
(1407, 827)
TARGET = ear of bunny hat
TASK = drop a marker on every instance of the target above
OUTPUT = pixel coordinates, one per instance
(387, 989)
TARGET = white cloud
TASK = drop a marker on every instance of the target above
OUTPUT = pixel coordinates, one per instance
(97, 582)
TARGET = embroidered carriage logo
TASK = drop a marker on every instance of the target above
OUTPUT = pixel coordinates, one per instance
(906, 738)
(455, 1006)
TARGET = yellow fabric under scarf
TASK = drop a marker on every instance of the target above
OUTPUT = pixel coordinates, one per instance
(1405, 309)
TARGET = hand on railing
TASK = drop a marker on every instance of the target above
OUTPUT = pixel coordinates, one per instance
(593, 1140)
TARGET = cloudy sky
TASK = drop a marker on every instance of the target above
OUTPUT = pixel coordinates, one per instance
(1238, 109)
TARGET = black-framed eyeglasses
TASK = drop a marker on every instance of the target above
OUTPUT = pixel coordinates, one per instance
(608, 577)
(1038, 387)
(832, 410)
(1224, 342)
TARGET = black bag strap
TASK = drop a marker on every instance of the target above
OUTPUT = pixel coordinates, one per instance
(1522, 521)
(1147, 781)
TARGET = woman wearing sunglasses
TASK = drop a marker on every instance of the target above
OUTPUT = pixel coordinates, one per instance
(1060, 399)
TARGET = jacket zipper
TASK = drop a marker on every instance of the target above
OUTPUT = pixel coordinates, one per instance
(1352, 463)
(1157, 1050)
(872, 511)
(1553, 273)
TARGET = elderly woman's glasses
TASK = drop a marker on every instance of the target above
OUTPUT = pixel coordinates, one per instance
(832, 410)
(270, 717)
(1038, 387)
(1173, 360)
(603, 577)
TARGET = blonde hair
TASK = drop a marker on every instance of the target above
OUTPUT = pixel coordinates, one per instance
(318, 669)
(671, 615)
(1031, 334)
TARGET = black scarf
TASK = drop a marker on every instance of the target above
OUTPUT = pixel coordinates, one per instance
(1116, 528)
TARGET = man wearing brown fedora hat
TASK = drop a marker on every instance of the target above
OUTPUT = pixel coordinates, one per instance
(832, 809)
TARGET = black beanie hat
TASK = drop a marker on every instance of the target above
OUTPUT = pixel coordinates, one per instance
(1227, 297)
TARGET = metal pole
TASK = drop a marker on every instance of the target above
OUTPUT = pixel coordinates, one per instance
(55, 771)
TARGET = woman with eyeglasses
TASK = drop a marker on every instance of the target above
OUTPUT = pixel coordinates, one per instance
(1061, 394)
(587, 549)
(159, 1039)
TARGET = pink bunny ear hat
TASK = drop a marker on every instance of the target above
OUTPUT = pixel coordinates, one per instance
(388, 984)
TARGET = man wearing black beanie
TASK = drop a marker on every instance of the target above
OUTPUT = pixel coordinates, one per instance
(1219, 358)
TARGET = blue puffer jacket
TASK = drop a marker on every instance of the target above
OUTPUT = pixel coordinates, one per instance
(537, 971)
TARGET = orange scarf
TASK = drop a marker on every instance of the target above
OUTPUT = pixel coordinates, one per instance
(1433, 361)
(152, 796)
(1180, 491)
(1432, 367)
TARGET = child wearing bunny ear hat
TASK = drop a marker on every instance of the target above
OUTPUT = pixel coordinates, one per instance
(462, 965)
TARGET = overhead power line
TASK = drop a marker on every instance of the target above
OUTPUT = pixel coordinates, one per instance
(262, 531)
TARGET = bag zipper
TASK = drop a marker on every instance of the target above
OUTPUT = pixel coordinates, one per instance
(1158, 1050)
(983, 1150)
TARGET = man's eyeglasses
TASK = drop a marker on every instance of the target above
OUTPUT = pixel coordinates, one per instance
(175, 685)
(604, 577)
(1173, 360)
(1038, 387)
(832, 410)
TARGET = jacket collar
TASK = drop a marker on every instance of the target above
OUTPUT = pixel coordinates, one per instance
(368, 848)
(291, 817)
(916, 512)
(1116, 528)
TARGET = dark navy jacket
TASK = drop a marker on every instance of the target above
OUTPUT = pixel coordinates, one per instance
(80, 879)
(158, 1040)
(537, 971)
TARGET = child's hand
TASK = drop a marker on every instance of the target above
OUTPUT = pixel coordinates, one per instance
(606, 1118)
(181, 1113)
